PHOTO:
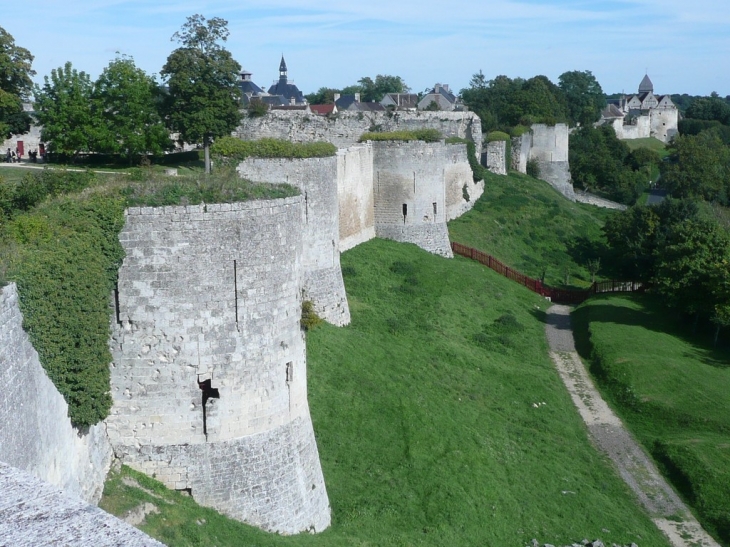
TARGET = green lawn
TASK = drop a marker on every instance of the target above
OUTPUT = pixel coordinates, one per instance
(528, 225)
(652, 143)
(440, 420)
(671, 388)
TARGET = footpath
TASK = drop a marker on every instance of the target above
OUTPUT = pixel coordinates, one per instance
(608, 433)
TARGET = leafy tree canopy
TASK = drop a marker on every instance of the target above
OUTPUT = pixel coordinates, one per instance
(15, 85)
(125, 104)
(369, 89)
(699, 167)
(63, 109)
(709, 108)
(583, 94)
(203, 96)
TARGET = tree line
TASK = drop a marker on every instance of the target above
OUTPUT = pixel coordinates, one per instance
(126, 111)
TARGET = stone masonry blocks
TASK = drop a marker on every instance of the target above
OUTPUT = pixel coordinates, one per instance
(36, 434)
(209, 360)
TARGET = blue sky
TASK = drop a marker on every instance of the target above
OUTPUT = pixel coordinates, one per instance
(684, 45)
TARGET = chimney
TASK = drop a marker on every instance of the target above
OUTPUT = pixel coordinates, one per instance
(357, 97)
(292, 101)
(446, 87)
(436, 88)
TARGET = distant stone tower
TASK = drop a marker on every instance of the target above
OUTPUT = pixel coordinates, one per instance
(209, 364)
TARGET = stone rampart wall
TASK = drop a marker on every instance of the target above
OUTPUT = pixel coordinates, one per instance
(36, 434)
(355, 194)
(317, 180)
(209, 376)
(591, 199)
(550, 150)
(664, 123)
(521, 152)
(345, 128)
(496, 159)
(410, 193)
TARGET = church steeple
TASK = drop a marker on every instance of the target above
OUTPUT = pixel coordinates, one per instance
(282, 70)
(644, 87)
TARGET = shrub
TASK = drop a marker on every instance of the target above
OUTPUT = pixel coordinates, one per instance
(233, 148)
(309, 319)
(533, 168)
(257, 108)
(497, 136)
(519, 130)
(426, 135)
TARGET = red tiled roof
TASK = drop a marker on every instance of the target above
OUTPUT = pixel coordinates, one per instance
(322, 109)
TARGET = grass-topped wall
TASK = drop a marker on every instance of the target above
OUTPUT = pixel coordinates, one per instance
(233, 148)
(426, 135)
(59, 241)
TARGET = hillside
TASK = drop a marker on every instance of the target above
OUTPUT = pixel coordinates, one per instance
(424, 411)
(528, 225)
(670, 388)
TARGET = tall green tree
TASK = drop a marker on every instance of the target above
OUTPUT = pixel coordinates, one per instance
(63, 109)
(584, 96)
(203, 100)
(15, 85)
(699, 168)
(125, 105)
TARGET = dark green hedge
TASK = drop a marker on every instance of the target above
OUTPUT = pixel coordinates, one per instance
(65, 265)
(233, 148)
(426, 135)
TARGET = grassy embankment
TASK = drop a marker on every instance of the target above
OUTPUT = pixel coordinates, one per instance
(429, 416)
(528, 225)
(671, 389)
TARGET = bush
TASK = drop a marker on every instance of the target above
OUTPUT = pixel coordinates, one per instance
(519, 130)
(257, 108)
(309, 319)
(233, 148)
(497, 136)
(426, 135)
(533, 168)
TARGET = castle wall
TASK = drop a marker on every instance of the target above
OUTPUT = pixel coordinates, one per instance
(409, 178)
(317, 179)
(521, 152)
(458, 181)
(345, 128)
(355, 195)
(211, 294)
(640, 129)
(36, 434)
(496, 160)
(664, 123)
(550, 150)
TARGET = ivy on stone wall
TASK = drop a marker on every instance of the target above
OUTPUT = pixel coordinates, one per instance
(65, 265)
(471, 153)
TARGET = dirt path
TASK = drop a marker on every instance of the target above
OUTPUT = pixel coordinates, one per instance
(667, 511)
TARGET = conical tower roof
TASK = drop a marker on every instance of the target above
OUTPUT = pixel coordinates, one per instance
(644, 87)
(282, 65)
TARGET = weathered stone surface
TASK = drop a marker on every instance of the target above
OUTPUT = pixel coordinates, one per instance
(355, 195)
(345, 128)
(212, 294)
(496, 160)
(317, 180)
(550, 150)
(32, 512)
(36, 434)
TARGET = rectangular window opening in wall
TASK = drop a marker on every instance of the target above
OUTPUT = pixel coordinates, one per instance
(405, 212)
(116, 304)
(185, 491)
(435, 210)
(289, 372)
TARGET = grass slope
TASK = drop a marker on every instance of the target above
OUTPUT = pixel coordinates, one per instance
(672, 391)
(528, 225)
(429, 415)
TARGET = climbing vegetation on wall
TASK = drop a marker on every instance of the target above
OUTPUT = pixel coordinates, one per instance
(471, 151)
(65, 265)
